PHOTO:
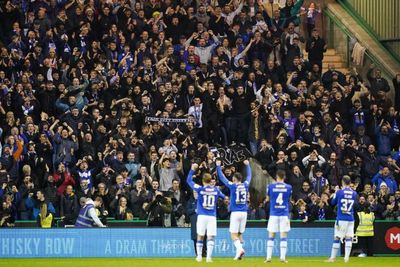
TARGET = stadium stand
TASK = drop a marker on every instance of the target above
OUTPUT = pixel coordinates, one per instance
(116, 99)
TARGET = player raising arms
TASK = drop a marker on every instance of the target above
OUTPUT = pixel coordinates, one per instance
(279, 195)
(206, 210)
(344, 199)
(238, 205)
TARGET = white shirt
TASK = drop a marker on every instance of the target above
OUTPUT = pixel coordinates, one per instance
(92, 213)
(196, 112)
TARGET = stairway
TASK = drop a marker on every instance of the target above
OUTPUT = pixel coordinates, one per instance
(375, 50)
(331, 57)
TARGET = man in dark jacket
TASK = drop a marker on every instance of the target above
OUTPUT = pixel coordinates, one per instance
(69, 206)
(316, 47)
(371, 162)
(377, 82)
(159, 210)
(396, 85)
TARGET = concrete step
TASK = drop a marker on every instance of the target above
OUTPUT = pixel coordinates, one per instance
(329, 52)
(389, 65)
(342, 70)
(332, 59)
(337, 64)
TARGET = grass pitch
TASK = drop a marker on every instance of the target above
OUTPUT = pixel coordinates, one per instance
(218, 262)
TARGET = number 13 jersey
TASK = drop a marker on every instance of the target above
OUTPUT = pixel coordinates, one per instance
(238, 192)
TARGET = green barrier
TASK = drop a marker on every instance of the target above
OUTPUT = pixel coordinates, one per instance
(347, 32)
(364, 24)
(111, 221)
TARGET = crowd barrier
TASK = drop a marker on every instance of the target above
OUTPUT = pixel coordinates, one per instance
(312, 239)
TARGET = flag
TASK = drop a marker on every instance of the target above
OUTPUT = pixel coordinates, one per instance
(237, 153)
(259, 181)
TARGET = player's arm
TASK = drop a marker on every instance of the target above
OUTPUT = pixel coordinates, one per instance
(220, 194)
(376, 178)
(334, 196)
(221, 175)
(189, 178)
(290, 190)
(248, 171)
(356, 197)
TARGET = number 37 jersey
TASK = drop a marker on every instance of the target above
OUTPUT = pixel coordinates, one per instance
(279, 196)
(345, 200)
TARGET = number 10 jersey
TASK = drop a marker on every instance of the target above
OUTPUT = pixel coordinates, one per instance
(207, 197)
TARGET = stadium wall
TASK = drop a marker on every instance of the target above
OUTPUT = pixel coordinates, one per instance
(305, 240)
(148, 242)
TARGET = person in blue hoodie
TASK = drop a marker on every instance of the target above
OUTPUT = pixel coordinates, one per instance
(384, 135)
(132, 166)
(385, 176)
(396, 157)
(36, 205)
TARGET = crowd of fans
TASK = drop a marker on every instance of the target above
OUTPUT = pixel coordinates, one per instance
(79, 80)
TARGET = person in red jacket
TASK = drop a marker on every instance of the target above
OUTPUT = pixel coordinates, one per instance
(63, 178)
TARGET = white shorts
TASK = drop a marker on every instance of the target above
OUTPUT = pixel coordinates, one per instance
(343, 229)
(207, 224)
(278, 224)
(238, 222)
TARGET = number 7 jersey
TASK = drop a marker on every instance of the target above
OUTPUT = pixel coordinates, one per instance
(279, 196)
(345, 199)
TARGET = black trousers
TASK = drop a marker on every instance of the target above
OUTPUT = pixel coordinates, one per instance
(366, 244)
(238, 129)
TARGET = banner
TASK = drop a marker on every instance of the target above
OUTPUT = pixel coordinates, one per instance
(150, 242)
(231, 154)
(167, 120)
(387, 237)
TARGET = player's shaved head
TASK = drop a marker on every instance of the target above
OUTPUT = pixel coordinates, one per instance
(346, 180)
(206, 178)
(280, 175)
(238, 176)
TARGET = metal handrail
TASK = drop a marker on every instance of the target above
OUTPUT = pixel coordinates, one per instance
(364, 24)
(346, 31)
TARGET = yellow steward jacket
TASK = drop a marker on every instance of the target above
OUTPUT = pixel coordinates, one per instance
(366, 226)
(46, 222)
